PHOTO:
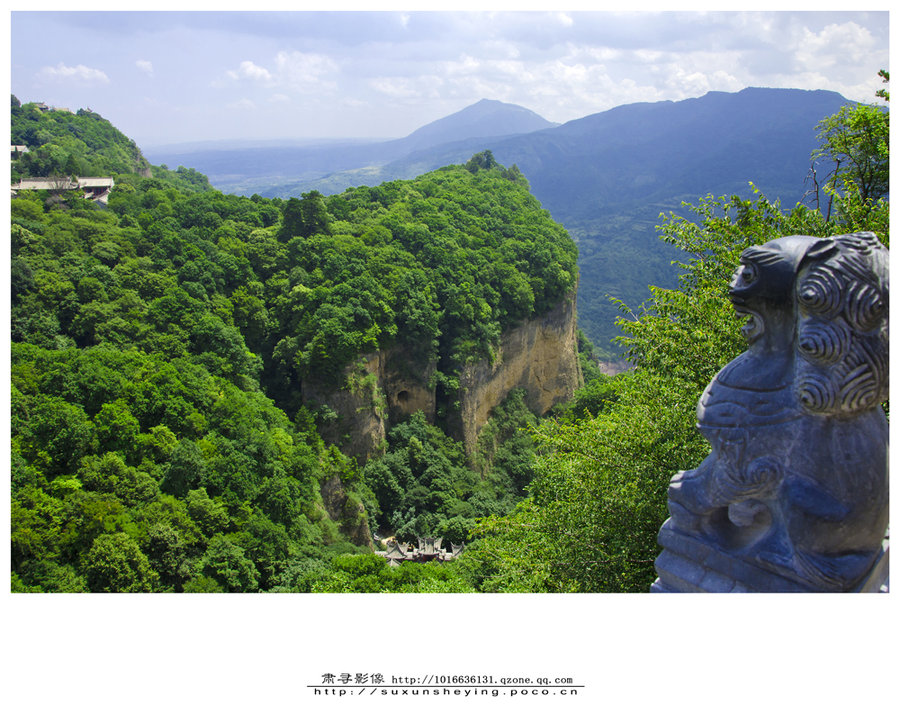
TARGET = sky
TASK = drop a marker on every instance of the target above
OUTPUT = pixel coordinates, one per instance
(169, 77)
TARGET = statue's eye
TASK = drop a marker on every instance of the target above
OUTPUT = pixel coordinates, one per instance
(748, 274)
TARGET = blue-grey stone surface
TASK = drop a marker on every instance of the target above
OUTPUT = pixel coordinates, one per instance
(794, 494)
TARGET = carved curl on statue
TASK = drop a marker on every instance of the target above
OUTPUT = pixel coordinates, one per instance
(794, 493)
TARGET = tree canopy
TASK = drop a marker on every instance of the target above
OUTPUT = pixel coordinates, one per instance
(855, 141)
(160, 342)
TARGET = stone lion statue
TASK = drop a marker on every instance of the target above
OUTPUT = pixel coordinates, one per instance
(796, 484)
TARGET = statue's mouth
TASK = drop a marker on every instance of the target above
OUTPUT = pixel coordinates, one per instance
(753, 322)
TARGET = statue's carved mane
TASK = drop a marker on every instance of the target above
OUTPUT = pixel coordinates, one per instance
(842, 341)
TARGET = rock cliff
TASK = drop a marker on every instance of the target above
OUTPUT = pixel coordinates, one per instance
(380, 388)
(386, 386)
(540, 356)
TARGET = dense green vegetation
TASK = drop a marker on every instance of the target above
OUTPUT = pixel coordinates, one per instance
(425, 486)
(133, 473)
(61, 143)
(161, 345)
(444, 262)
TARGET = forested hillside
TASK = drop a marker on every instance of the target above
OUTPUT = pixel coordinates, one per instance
(65, 143)
(161, 345)
(62, 143)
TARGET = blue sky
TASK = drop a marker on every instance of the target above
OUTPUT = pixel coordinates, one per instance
(167, 77)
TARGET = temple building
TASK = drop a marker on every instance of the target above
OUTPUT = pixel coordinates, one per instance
(427, 550)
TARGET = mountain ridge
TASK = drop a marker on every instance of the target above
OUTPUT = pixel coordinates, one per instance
(480, 120)
(486, 119)
(608, 176)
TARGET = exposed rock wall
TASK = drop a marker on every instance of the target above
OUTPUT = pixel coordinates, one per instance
(381, 388)
(386, 386)
(540, 355)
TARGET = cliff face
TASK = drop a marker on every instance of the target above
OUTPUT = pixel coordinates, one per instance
(386, 386)
(540, 355)
(381, 388)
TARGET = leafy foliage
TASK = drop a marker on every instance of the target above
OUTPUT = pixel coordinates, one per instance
(64, 143)
(160, 345)
(371, 573)
(141, 474)
(425, 486)
(856, 140)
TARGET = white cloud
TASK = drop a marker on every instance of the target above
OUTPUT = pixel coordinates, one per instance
(465, 65)
(291, 71)
(248, 70)
(303, 70)
(77, 73)
(834, 45)
(389, 73)
(417, 87)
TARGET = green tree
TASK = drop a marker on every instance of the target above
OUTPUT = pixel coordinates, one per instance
(885, 78)
(115, 563)
(186, 470)
(855, 140)
(304, 217)
(226, 563)
(210, 514)
(483, 160)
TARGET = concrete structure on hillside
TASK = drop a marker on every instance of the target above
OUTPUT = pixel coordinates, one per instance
(94, 188)
(794, 494)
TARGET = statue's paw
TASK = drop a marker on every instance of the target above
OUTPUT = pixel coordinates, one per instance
(683, 519)
(777, 552)
(686, 490)
(687, 476)
(676, 492)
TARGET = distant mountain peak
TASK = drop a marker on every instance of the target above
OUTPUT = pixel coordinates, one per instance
(494, 103)
(483, 119)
